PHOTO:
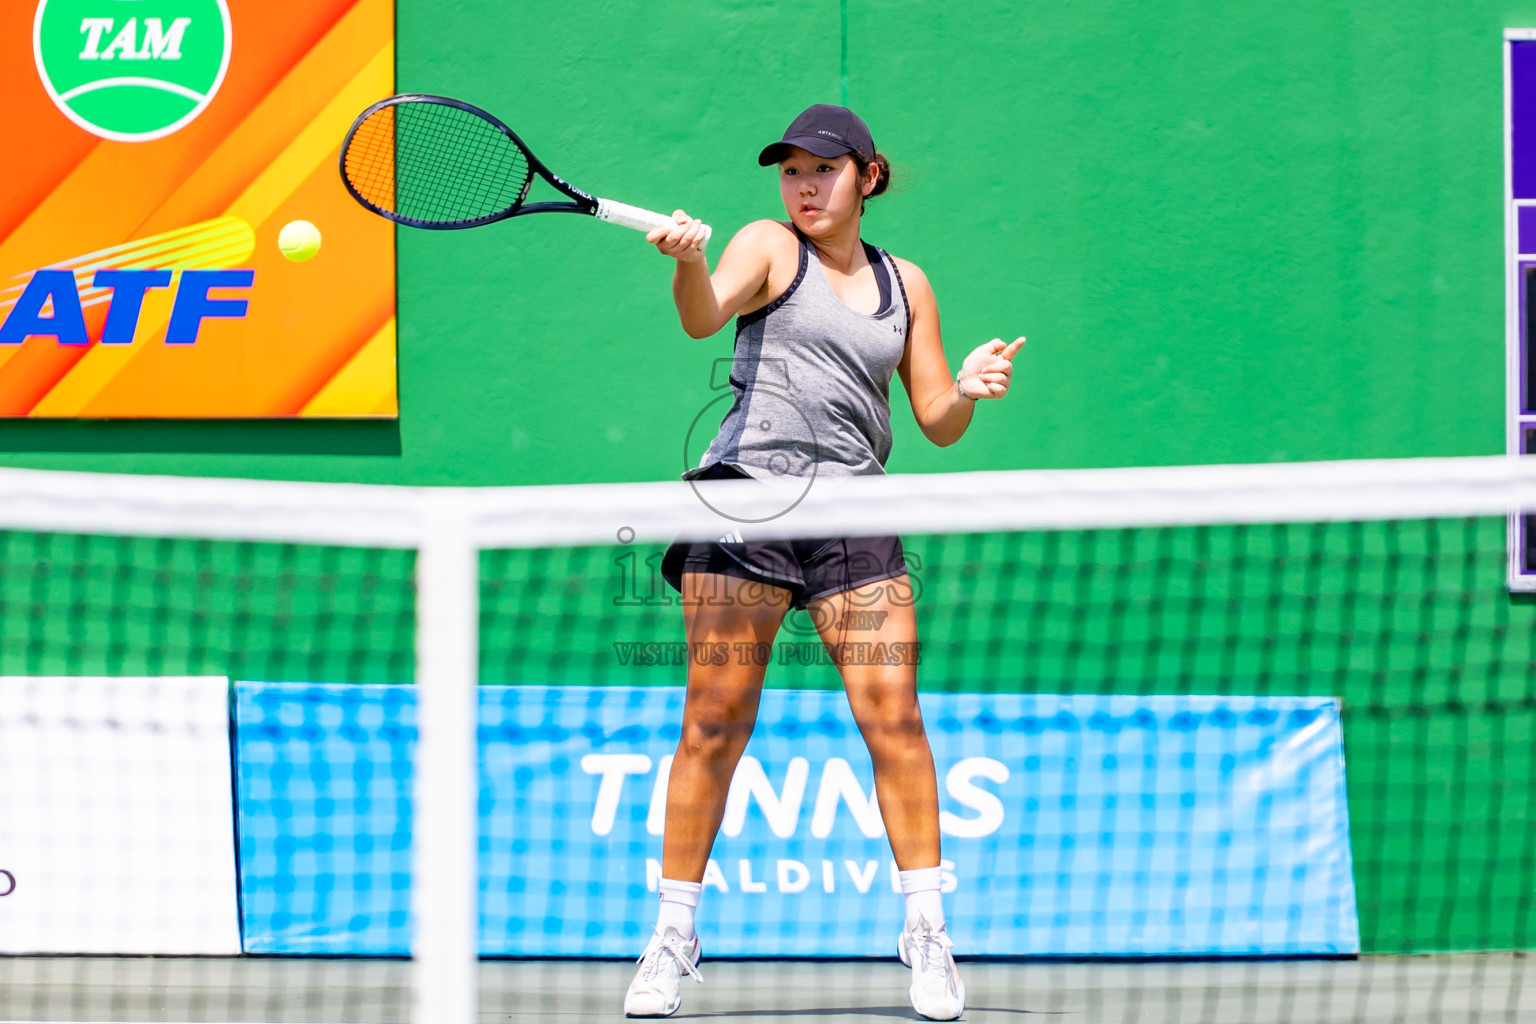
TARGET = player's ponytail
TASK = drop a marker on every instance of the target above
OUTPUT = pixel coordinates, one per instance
(882, 176)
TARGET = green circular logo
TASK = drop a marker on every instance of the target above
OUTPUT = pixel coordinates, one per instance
(131, 70)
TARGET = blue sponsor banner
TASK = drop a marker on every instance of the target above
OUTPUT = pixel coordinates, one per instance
(1073, 825)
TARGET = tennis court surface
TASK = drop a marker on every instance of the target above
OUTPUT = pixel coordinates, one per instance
(1418, 990)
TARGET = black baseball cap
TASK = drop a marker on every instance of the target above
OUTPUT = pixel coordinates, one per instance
(823, 130)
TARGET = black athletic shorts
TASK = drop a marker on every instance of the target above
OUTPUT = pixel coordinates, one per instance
(808, 569)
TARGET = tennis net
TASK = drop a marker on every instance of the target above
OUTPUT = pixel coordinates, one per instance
(1213, 744)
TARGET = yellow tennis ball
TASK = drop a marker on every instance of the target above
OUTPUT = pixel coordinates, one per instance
(299, 240)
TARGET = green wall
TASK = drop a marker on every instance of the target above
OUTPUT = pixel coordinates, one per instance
(1268, 234)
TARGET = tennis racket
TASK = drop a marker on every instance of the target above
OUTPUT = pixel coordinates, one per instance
(434, 162)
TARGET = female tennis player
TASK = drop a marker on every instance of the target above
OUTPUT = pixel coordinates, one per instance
(823, 320)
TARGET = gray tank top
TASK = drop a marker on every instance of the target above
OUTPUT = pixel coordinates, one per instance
(810, 380)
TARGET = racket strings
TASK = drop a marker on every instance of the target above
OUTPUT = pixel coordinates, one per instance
(463, 167)
(457, 165)
(435, 164)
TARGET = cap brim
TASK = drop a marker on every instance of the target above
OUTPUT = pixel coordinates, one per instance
(816, 145)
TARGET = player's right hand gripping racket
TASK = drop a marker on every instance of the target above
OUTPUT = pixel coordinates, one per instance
(435, 162)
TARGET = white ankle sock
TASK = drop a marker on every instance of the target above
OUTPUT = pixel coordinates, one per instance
(920, 886)
(678, 902)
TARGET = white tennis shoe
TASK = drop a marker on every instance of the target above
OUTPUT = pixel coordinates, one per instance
(937, 991)
(654, 992)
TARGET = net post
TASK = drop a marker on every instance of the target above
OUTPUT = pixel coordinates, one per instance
(444, 873)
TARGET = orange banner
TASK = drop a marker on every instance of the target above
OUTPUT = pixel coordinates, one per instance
(168, 144)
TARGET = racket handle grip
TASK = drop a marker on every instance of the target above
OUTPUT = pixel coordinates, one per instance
(634, 217)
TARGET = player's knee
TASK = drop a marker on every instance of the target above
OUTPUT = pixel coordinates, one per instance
(716, 739)
(886, 715)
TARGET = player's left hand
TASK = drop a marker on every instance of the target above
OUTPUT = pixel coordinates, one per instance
(986, 371)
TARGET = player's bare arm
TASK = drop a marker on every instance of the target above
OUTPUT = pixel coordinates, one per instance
(941, 403)
(743, 280)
